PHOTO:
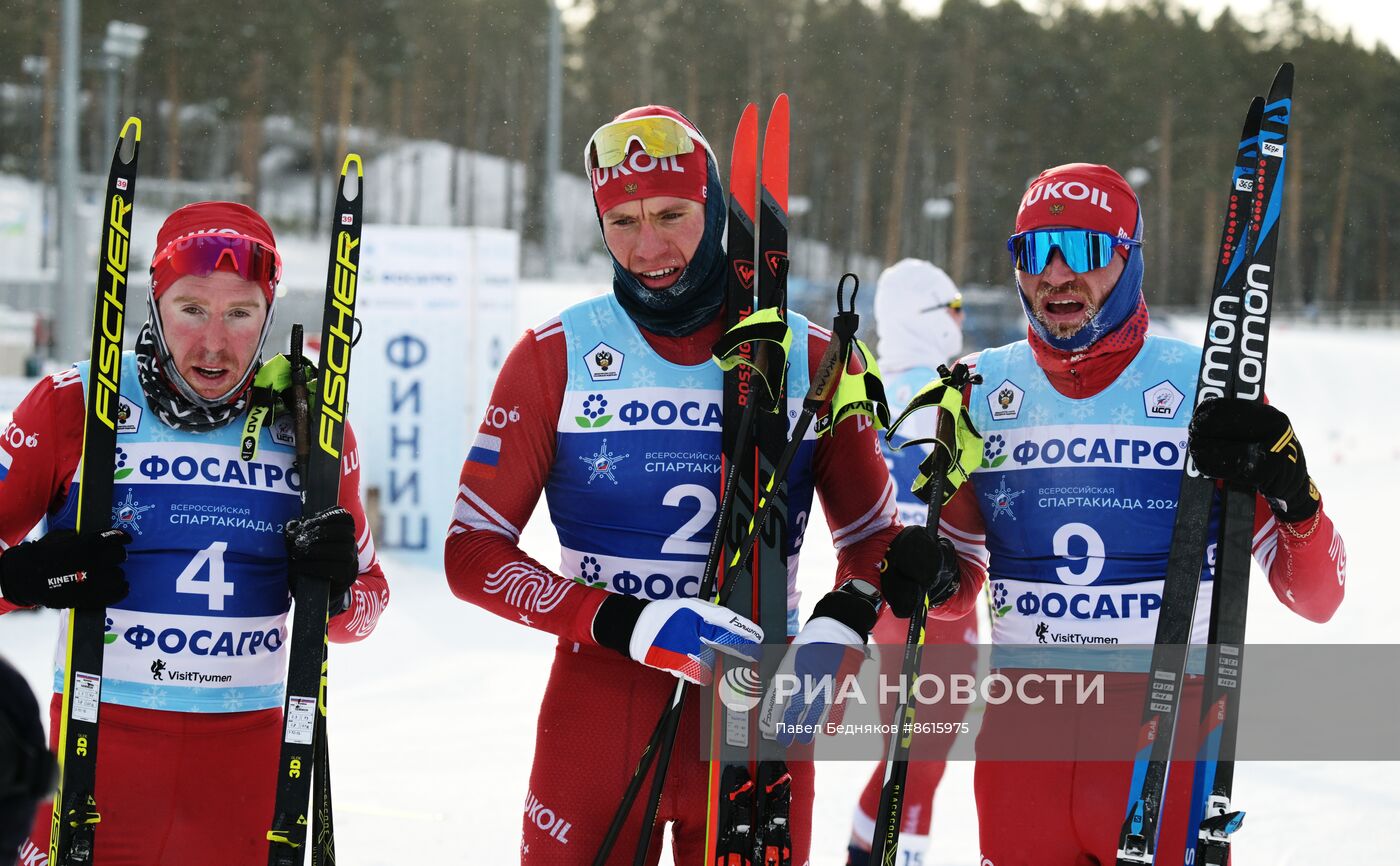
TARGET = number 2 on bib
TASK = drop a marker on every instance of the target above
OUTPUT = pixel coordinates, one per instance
(683, 540)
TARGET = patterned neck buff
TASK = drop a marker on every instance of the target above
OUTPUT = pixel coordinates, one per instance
(171, 407)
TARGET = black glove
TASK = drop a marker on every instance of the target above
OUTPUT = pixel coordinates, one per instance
(66, 569)
(918, 565)
(1253, 443)
(322, 546)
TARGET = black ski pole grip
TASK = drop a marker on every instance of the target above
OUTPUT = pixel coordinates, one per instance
(846, 321)
(300, 407)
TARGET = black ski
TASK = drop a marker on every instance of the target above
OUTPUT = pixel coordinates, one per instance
(1137, 838)
(1213, 818)
(319, 462)
(729, 820)
(772, 843)
(75, 809)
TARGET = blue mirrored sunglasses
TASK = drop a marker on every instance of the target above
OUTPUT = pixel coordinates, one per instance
(1083, 249)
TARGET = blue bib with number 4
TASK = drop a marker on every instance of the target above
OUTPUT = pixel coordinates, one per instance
(204, 627)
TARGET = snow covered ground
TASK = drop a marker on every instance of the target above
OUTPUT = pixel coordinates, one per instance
(432, 720)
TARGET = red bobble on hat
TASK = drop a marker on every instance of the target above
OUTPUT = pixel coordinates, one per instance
(641, 175)
(1079, 195)
(207, 217)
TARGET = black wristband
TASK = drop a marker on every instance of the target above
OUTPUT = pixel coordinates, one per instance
(1302, 505)
(615, 620)
(848, 609)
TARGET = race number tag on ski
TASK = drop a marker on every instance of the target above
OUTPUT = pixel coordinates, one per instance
(301, 719)
(87, 691)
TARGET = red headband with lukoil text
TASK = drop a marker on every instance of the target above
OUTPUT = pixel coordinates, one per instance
(1080, 195)
(641, 175)
(208, 218)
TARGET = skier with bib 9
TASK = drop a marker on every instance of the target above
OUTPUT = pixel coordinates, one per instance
(1047, 510)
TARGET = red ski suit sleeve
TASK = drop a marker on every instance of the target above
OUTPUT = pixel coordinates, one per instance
(1305, 564)
(44, 442)
(852, 482)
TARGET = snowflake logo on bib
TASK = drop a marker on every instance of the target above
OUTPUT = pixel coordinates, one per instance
(127, 514)
(1002, 499)
(603, 463)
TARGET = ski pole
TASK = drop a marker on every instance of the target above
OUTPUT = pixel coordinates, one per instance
(885, 842)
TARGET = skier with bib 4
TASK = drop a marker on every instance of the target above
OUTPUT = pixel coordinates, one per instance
(196, 569)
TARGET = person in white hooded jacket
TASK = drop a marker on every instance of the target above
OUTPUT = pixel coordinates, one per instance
(918, 319)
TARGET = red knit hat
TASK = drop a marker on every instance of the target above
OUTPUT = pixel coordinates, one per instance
(1081, 195)
(641, 175)
(210, 218)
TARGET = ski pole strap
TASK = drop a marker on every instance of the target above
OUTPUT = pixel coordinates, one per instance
(860, 391)
(847, 375)
(847, 320)
(963, 454)
(269, 396)
(765, 326)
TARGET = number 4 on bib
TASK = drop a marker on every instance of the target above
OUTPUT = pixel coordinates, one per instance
(214, 586)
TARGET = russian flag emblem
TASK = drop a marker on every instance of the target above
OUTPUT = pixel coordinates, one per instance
(485, 453)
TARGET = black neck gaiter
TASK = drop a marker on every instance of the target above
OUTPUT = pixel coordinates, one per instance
(698, 294)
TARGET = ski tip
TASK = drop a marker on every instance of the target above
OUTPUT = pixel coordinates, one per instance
(1284, 74)
(132, 122)
(748, 120)
(775, 152)
(746, 133)
(359, 165)
(743, 163)
(1252, 120)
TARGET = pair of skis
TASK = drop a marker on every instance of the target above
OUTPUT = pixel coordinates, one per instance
(747, 822)
(75, 809)
(1232, 365)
